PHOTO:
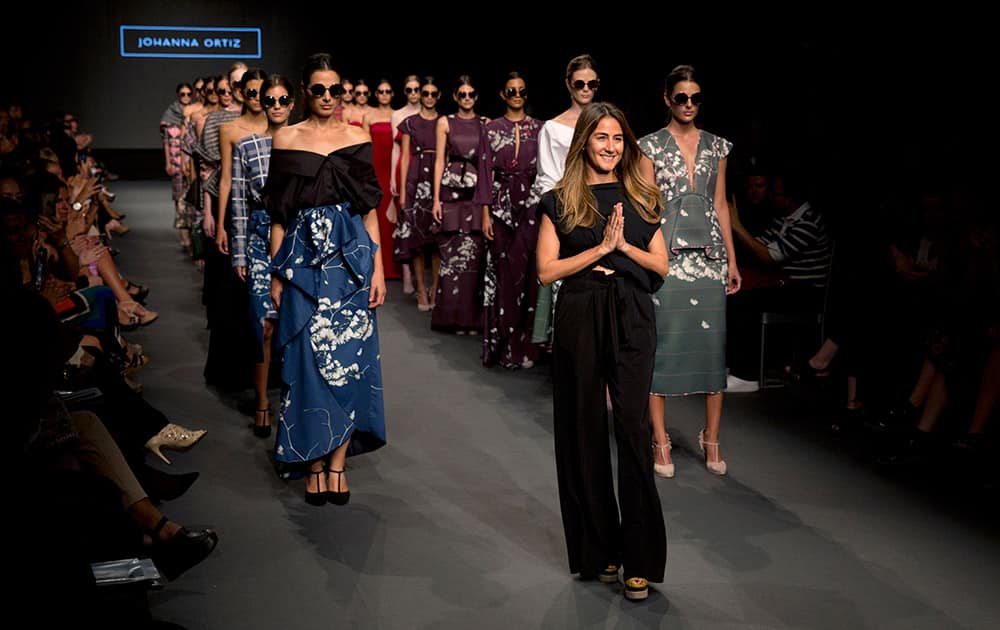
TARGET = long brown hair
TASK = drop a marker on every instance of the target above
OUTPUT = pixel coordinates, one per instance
(579, 206)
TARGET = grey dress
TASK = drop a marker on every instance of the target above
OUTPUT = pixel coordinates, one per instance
(691, 304)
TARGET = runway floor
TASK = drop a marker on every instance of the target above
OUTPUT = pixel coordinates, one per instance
(455, 523)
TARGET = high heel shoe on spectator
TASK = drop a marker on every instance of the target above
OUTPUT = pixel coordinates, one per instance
(663, 470)
(114, 226)
(719, 467)
(135, 315)
(320, 496)
(262, 427)
(163, 486)
(175, 555)
(138, 292)
(173, 436)
(338, 497)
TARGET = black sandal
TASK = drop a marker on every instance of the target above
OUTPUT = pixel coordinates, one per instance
(182, 551)
(317, 498)
(262, 430)
(338, 498)
(140, 294)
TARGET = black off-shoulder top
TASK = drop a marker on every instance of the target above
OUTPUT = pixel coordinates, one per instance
(299, 179)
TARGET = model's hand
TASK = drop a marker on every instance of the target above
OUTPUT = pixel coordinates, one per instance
(222, 241)
(376, 297)
(242, 273)
(437, 211)
(208, 224)
(276, 289)
(733, 280)
(487, 224)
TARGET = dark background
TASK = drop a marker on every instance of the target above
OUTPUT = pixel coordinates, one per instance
(836, 91)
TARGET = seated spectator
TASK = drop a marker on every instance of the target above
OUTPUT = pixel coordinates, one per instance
(80, 501)
(795, 245)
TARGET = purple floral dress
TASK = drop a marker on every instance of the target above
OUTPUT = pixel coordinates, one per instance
(416, 229)
(510, 286)
(464, 190)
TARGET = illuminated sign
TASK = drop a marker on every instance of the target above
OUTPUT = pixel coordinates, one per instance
(197, 42)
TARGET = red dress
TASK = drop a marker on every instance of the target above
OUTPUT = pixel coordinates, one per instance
(381, 133)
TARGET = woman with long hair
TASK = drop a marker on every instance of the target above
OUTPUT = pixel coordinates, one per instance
(411, 90)
(599, 233)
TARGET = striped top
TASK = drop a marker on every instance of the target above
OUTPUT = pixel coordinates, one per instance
(209, 148)
(800, 243)
(251, 159)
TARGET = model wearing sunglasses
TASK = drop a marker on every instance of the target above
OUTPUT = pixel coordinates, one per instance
(318, 90)
(252, 120)
(553, 146)
(251, 247)
(691, 160)
(270, 101)
(457, 207)
(354, 113)
(416, 234)
(378, 123)
(511, 232)
(591, 85)
(300, 156)
(680, 98)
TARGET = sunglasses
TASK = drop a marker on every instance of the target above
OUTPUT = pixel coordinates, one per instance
(318, 90)
(361, 93)
(251, 93)
(411, 90)
(430, 93)
(269, 101)
(388, 91)
(682, 99)
(473, 94)
(593, 84)
(514, 92)
(183, 94)
(222, 91)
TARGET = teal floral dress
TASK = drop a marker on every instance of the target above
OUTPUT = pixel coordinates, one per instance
(691, 304)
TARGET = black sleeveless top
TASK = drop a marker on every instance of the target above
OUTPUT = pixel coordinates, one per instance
(637, 233)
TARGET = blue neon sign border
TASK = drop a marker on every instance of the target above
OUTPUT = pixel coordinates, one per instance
(233, 29)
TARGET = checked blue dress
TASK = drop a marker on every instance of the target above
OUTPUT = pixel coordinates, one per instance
(331, 369)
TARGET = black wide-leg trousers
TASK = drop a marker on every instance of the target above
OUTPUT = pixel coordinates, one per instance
(605, 335)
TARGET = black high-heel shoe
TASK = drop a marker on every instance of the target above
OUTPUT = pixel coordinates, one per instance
(262, 430)
(317, 498)
(163, 486)
(182, 551)
(338, 498)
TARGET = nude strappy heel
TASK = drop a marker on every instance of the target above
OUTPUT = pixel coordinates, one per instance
(719, 467)
(663, 470)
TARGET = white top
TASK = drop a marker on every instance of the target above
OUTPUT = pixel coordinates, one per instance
(553, 145)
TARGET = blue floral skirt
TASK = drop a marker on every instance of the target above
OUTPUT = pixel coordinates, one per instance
(331, 368)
